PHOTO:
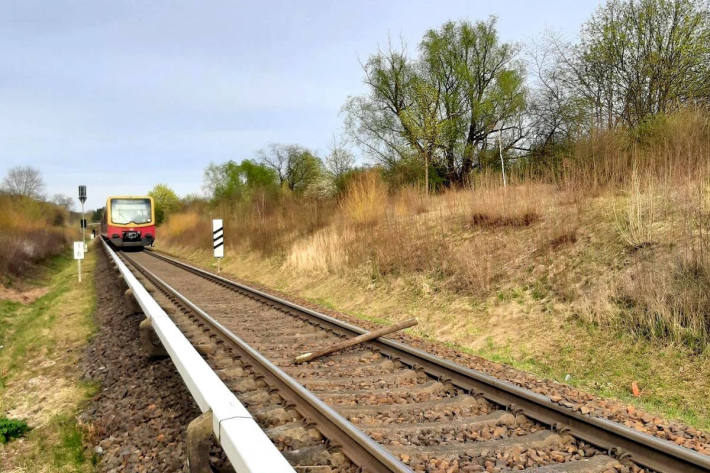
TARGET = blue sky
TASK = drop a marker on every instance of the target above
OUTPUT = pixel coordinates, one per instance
(121, 95)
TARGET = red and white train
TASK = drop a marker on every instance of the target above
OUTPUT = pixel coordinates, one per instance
(129, 221)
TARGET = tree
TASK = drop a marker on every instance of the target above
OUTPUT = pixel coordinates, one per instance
(98, 214)
(465, 86)
(339, 163)
(235, 182)
(296, 167)
(63, 200)
(555, 113)
(422, 120)
(24, 181)
(483, 86)
(373, 120)
(165, 200)
(640, 58)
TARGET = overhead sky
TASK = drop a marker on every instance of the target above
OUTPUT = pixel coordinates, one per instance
(122, 95)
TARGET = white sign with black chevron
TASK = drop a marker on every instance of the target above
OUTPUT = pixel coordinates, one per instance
(218, 238)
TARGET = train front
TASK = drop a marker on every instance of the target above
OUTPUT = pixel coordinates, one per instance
(129, 221)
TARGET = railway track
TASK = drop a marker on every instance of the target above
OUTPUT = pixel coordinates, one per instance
(412, 411)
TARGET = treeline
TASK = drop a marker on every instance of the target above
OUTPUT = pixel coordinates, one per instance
(468, 100)
(466, 103)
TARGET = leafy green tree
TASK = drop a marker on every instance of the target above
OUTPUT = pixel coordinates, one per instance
(444, 106)
(166, 202)
(235, 182)
(296, 167)
(483, 90)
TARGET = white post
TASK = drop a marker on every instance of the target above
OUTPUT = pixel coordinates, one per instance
(502, 165)
(218, 240)
(79, 255)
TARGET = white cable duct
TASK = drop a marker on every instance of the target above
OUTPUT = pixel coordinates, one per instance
(246, 445)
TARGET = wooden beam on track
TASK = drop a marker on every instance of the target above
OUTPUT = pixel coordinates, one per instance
(365, 337)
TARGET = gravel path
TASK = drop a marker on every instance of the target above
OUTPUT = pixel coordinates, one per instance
(137, 421)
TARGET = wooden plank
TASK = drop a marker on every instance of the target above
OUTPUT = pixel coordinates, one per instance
(356, 340)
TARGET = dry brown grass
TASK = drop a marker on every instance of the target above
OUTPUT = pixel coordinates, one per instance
(365, 199)
(30, 232)
(620, 235)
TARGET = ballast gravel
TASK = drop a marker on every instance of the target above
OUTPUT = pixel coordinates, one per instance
(565, 395)
(137, 421)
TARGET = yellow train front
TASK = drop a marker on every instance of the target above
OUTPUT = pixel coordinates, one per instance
(129, 221)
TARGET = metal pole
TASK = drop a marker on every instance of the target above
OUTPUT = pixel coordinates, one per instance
(79, 263)
(83, 229)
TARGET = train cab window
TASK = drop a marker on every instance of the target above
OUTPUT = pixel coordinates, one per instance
(125, 211)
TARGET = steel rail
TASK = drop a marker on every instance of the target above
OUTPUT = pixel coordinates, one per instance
(626, 443)
(356, 445)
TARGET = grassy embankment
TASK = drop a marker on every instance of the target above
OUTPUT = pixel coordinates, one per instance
(42, 342)
(30, 232)
(597, 276)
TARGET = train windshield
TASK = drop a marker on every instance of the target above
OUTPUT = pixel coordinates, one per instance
(125, 211)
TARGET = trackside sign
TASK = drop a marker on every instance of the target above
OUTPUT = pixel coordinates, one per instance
(218, 238)
(78, 256)
(78, 250)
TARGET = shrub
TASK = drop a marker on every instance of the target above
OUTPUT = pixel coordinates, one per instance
(11, 429)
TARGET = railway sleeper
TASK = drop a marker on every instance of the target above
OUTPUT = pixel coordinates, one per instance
(295, 435)
(427, 389)
(375, 368)
(276, 415)
(424, 411)
(469, 423)
(595, 464)
(260, 398)
(246, 384)
(288, 337)
(315, 455)
(378, 381)
(352, 358)
(538, 440)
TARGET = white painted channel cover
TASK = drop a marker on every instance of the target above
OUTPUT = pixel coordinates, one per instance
(246, 445)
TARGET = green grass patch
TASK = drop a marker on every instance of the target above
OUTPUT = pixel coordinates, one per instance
(40, 381)
(12, 429)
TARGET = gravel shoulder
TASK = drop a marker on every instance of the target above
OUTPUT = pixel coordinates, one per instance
(137, 421)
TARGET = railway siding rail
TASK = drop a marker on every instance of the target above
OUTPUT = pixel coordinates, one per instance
(423, 407)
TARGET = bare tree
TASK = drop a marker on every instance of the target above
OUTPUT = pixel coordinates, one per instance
(63, 200)
(295, 166)
(637, 58)
(276, 157)
(339, 159)
(24, 181)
